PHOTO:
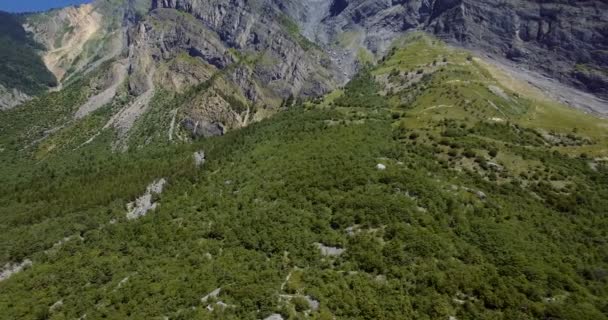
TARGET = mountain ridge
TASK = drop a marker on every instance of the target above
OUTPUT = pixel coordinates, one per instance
(533, 34)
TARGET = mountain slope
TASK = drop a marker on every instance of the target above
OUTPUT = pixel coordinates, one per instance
(146, 49)
(249, 60)
(563, 39)
(375, 174)
(424, 189)
(22, 72)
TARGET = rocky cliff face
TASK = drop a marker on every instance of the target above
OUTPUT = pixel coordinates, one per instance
(248, 27)
(22, 72)
(241, 52)
(234, 60)
(567, 40)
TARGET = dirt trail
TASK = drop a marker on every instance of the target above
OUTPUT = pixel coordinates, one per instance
(172, 126)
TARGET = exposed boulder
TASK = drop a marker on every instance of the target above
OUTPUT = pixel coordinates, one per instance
(145, 203)
(211, 295)
(10, 269)
(199, 158)
(330, 251)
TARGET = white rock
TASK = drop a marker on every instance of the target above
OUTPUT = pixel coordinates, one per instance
(143, 204)
(352, 230)
(380, 166)
(312, 303)
(329, 251)
(199, 158)
(122, 282)
(56, 305)
(212, 294)
(12, 268)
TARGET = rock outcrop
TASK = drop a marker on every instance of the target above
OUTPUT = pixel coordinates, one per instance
(10, 269)
(10, 98)
(145, 203)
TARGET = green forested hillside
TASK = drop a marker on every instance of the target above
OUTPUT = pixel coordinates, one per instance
(434, 209)
(20, 65)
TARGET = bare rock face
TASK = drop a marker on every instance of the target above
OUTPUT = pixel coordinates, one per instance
(566, 40)
(10, 98)
(289, 65)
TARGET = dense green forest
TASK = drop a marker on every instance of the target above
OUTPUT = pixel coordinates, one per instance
(370, 203)
(20, 65)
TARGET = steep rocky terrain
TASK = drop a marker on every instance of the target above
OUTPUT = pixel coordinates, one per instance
(252, 55)
(246, 59)
(566, 40)
(22, 72)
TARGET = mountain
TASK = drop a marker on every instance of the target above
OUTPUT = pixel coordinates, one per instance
(269, 159)
(261, 52)
(22, 72)
(563, 39)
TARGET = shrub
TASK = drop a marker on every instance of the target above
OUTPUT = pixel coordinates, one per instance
(469, 153)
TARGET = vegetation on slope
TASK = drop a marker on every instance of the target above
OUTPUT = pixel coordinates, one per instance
(471, 217)
(21, 67)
